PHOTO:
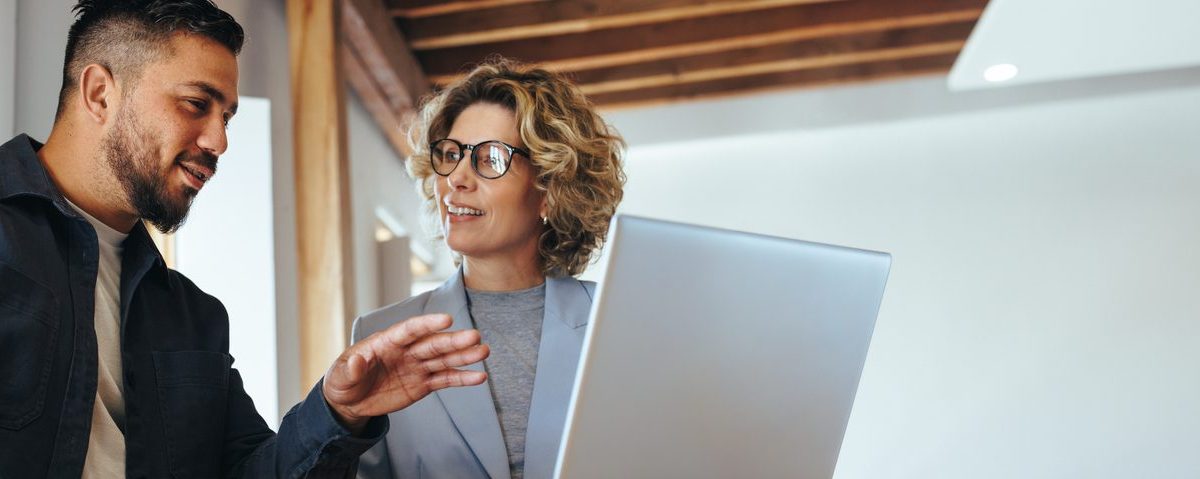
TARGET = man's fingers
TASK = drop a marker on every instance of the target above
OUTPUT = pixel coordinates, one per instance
(413, 329)
(454, 378)
(356, 368)
(459, 358)
(345, 378)
(443, 343)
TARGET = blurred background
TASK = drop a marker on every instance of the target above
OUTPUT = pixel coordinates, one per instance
(1031, 165)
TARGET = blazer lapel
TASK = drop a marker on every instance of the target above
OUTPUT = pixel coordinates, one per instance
(471, 408)
(568, 304)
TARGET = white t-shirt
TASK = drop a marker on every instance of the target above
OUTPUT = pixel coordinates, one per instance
(106, 444)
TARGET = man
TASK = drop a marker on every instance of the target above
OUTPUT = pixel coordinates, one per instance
(113, 365)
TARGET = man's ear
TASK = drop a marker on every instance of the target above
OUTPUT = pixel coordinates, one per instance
(97, 93)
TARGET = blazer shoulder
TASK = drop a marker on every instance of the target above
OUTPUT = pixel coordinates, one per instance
(381, 318)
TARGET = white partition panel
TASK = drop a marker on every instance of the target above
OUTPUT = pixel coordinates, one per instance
(8, 66)
(227, 249)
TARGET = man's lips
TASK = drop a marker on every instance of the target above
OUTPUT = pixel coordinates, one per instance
(202, 172)
(195, 174)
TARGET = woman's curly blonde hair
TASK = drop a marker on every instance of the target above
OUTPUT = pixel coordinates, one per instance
(575, 154)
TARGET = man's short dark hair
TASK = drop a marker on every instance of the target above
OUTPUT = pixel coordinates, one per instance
(125, 35)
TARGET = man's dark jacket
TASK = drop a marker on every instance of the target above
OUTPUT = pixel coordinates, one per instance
(187, 414)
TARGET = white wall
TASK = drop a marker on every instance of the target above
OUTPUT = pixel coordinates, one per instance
(8, 66)
(265, 72)
(227, 249)
(42, 37)
(1041, 315)
(380, 189)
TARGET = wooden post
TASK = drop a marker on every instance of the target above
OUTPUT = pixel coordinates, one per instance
(326, 279)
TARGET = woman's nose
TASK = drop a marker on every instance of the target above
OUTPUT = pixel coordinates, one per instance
(463, 177)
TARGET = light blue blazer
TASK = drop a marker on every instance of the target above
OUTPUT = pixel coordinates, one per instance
(455, 433)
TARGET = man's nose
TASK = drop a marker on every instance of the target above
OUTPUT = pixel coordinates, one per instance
(214, 139)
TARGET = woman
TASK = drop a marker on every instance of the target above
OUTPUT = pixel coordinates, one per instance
(523, 176)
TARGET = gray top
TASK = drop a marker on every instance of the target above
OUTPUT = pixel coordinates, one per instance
(511, 325)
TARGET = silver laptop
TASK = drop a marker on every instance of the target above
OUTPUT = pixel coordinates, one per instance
(714, 353)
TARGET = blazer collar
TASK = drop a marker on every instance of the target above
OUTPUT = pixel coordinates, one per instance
(472, 409)
(451, 298)
(568, 303)
(567, 300)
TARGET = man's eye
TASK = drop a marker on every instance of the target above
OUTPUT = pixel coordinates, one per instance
(198, 104)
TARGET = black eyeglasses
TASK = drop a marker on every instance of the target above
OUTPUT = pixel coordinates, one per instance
(489, 159)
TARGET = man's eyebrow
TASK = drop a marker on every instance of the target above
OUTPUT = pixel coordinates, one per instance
(213, 92)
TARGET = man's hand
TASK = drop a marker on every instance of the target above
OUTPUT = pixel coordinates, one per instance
(398, 366)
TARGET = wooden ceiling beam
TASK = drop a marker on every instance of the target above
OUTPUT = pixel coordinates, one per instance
(856, 73)
(429, 8)
(381, 68)
(391, 122)
(532, 20)
(817, 53)
(780, 66)
(645, 43)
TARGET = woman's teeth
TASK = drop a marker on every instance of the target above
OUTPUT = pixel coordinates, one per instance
(462, 210)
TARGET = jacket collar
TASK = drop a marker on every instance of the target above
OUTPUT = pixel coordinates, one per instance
(566, 301)
(568, 304)
(141, 256)
(23, 174)
(472, 409)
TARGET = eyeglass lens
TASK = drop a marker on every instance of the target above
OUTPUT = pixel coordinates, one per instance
(490, 159)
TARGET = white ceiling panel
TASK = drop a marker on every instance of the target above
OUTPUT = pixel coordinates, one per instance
(1050, 40)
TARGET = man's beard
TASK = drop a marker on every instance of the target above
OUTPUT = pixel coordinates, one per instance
(131, 154)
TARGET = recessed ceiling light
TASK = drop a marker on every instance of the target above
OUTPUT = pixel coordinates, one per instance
(1000, 72)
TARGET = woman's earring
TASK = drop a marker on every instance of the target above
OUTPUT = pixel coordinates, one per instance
(545, 221)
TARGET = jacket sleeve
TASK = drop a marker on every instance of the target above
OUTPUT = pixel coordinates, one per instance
(310, 442)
